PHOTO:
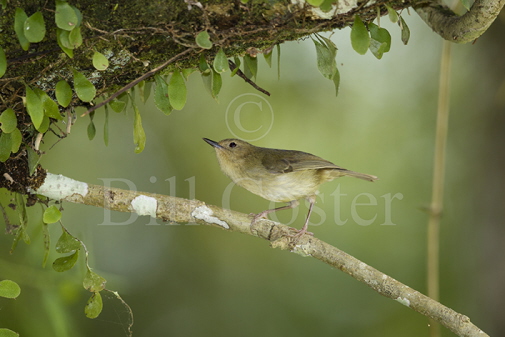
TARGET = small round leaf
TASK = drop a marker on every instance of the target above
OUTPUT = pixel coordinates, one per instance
(203, 40)
(34, 107)
(34, 27)
(177, 91)
(67, 243)
(63, 93)
(8, 333)
(65, 263)
(3, 62)
(221, 62)
(93, 282)
(51, 214)
(65, 16)
(19, 21)
(94, 306)
(9, 289)
(100, 62)
(84, 89)
(360, 38)
(8, 120)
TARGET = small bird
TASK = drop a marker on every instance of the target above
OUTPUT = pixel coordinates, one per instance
(278, 175)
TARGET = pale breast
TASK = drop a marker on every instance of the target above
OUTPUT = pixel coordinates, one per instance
(282, 187)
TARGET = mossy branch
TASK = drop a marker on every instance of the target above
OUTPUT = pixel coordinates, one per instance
(180, 210)
(461, 29)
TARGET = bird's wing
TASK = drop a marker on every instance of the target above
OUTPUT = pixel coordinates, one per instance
(290, 161)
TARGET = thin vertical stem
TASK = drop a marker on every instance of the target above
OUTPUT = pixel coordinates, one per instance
(438, 181)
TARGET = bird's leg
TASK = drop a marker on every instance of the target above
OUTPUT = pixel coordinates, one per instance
(312, 200)
(292, 204)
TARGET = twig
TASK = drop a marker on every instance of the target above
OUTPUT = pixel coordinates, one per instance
(138, 80)
(242, 75)
(181, 210)
(437, 197)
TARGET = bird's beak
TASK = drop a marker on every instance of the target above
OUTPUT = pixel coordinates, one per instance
(213, 143)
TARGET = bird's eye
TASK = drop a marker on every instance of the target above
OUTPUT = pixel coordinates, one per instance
(232, 144)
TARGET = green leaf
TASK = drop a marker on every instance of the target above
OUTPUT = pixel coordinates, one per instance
(377, 48)
(393, 16)
(100, 62)
(65, 263)
(203, 40)
(360, 39)
(47, 243)
(278, 61)
(203, 66)
(16, 139)
(161, 95)
(33, 160)
(106, 127)
(5, 146)
(212, 83)
(84, 89)
(188, 71)
(380, 34)
(63, 93)
(62, 39)
(147, 90)
(50, 107)
(405, 30)
(315, 3)
(237, 62)
(467, 4)
(93, 282)
(217, 83)
(3, 3)
(117, 105)
(78, 14)
(9, 289)
(8, 120)
(67, 243)
(326, 5)
(51, 215)
(91, 127)
(250, 66)
(221, 62)
(65, 16)
(380, 42)
(336, 81)
(34, 107)
(3, 62)
(34, 27)
(177, 91)
(19, 24)
(139, 136)
(94, 306)
(326, 52)
(75, 38)
(268, 57)
(44, 126)
(8, 333)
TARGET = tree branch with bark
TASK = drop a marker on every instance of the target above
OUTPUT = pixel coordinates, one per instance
(173, 209)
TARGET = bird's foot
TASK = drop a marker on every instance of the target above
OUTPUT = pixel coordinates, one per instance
(258, 216)
(299, 233)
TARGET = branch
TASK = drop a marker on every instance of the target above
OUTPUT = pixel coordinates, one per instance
(180, 210)
(465, 28)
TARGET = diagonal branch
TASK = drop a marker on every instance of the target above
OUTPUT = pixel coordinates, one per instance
(461, 29)
(179, 210)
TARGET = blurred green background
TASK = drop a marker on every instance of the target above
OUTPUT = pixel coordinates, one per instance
(187, 280)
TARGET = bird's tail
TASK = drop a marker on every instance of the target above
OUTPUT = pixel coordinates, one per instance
(363, 176)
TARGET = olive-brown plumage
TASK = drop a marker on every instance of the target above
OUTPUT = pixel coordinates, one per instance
(277, 175)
